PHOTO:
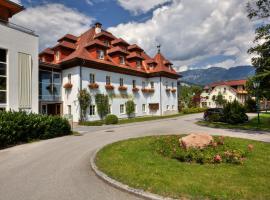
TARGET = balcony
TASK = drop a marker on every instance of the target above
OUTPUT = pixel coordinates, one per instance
(17, 27)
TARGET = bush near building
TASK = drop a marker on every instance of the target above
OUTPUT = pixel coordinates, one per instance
(111, 119)
(20, 127)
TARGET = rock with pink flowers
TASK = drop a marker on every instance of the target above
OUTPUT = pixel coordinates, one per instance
(196, 141)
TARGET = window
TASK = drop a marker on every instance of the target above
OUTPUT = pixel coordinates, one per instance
(122, 60)
(143, 85)
(143, 108)
(152, 84)
(92, 109)
(108, 80)
(92, 78)
(57, 55)
(25, 80)
(172, 85)
(138, 63)
(106, 42)
(69, 109)
(166, 84)
(3, 76)
(172, 107)
(121, 82)
(100, 54)
(167, 107)
(69, 78)
(122, 109)
(134, 83)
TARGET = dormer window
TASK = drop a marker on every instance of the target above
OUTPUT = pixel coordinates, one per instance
(138, 63)
(100, 54)
(57, 55)
(122, 60)
(106, 42)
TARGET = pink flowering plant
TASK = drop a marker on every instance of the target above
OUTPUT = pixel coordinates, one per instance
(221, 150)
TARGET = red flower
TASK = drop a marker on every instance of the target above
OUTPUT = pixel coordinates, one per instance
(217, 158)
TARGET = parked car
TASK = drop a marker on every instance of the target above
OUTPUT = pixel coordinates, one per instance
(212, 111)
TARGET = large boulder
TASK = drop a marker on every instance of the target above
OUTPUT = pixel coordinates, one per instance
(196, 141)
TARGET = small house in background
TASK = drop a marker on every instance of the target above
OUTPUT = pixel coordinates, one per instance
(230, 90)
(18, 62)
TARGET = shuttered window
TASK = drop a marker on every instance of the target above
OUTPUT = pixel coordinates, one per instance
(25, 80)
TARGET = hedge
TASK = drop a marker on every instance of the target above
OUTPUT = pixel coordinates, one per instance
(193, 110)
(21, 127)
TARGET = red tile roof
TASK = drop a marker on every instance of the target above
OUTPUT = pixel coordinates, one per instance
(119, 41)
(117, 50)
(66, 44)
(95, 42)
(228, 83)
(89, 38)
(69, 37)
(47, 51)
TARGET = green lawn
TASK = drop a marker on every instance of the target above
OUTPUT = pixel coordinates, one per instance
(251, 125)
(136, 163)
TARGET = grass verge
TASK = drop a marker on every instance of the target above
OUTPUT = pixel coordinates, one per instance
(136, 163)
(250, 125)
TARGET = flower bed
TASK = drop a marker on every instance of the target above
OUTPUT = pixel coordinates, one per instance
(67, 86)
(93, 86)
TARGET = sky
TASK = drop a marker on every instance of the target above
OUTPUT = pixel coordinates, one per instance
(192, 33)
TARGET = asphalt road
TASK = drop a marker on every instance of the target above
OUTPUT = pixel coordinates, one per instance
(59, 169)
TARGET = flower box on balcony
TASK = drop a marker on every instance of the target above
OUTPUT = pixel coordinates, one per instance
(151, 90)
(93, 86)
(122, 88)
(144, 90)
(109, 87)
(173, 90)
(135, 89)
(67, 86)
(168, 89)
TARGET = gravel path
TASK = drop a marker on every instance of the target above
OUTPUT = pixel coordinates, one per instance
(59, 169)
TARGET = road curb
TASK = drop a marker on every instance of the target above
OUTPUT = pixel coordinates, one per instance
(121, 186)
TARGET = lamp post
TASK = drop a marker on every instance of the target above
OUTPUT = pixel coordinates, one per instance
(256, 85)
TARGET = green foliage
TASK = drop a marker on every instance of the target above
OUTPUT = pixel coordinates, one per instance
(186, 94)
(217, 152)
(91, 123)
(20, 127)
(130, 108)
(192, 110)
(250, 105)
(84, 99)
(260, 10)
(219, 100)
(102, 102)
(111, 119)
(234, 113)
(215, 118)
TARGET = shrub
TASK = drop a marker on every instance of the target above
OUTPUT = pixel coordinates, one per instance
(111, 119)
(91, 123)
(215, 118)
(234, 113)
(130, 108)
(250, 105)
(102, 102)
(192, 110)
(20, 127)
(84, 99)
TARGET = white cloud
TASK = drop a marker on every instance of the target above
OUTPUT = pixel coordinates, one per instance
(89, 2)
(141, 6)
(17, 1)
(52, 21)
(193, 30)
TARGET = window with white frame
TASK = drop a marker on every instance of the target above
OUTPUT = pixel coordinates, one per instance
(152, 84)
(92, 110)
(143, 108)
(172, 85)
(92, 78)
(106, 42)
(3, 76)
(69, 109)
(172, 107)
(166, 84)
(57, 55)
(100, 54)
(143, 84)
(121, 80)
(69, 78)
(134, 83)
(122, 60)
(108, 80)
(167, 107)
(138, 63)
(122, 108)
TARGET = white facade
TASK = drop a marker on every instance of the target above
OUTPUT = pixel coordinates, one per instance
(167, 100)
(19, 95)
(229, 94)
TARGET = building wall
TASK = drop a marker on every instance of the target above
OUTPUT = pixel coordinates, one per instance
(116, 97)
(15, 41)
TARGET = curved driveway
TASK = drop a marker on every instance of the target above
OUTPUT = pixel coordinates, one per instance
(59, 169)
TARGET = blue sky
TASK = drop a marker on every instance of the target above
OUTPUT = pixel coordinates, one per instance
(212, 33)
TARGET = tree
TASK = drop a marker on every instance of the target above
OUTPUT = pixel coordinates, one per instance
(84, 99)
(130, 108)
(102, 102)
(260, 10)
(219, 100)
(186, 94)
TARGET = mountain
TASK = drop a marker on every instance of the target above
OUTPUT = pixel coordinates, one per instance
(214, 74)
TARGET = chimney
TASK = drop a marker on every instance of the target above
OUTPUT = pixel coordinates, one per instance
(98, 27)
